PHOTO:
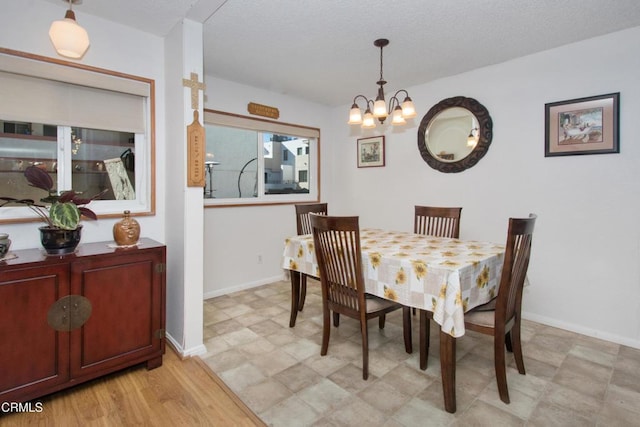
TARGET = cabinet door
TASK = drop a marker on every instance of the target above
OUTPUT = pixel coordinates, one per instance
(34, 358)
(126, 295)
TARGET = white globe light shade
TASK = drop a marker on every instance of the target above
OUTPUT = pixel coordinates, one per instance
(69, 38)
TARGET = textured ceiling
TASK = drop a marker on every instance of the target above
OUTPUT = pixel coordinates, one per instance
(322, 50)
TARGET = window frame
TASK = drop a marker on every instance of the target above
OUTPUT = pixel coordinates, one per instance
(221, 118)
(96, 78)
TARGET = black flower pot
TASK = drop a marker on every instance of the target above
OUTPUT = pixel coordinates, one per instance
(57, 241)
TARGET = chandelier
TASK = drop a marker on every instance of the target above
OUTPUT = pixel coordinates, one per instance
(378, 109)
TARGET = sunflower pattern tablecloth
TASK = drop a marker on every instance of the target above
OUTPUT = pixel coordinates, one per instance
(441, 275)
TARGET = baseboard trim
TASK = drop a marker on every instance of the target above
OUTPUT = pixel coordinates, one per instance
(182, 352)
(243, 286)
(594, 333)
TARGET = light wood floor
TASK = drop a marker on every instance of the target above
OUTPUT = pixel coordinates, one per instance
(180, 392)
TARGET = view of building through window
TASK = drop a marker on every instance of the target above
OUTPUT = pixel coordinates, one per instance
(244, 163)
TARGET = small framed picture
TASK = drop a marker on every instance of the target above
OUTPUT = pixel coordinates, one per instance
(371, 152)
(120, 183)
(582, 126)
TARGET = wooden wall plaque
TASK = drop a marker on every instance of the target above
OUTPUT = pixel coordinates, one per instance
(263, 110)
(195, 153)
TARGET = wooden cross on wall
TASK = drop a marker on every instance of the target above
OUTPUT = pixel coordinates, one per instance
(195, 86)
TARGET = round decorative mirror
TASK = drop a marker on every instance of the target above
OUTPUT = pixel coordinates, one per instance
(455, 134)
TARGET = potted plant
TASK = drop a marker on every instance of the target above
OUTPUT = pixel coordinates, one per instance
(61, 232)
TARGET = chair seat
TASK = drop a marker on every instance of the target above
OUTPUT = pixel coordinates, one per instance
(375, 303)
(486, 318)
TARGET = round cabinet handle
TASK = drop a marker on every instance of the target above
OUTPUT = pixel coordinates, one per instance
(57, 317)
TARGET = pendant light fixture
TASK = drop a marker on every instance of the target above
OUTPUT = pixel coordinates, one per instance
(378, 109)
(69, 38)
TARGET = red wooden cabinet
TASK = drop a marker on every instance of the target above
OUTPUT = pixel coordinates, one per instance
(49, 340)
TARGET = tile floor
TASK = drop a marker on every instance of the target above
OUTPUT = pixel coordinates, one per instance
(571, 380)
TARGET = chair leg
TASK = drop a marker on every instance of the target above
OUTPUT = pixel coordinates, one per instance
(501, 370)
(425, 333)
(295, 297)
(508, 342)
(414, 311)
(365, 349)
(382, 320)
(517, 347)
(326, 331)
(336, 319)
(406, 327)
(303, 291)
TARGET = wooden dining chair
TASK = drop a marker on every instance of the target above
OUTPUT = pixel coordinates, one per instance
(303, 226)
(437, 221)
(500, 317)
(337, 245)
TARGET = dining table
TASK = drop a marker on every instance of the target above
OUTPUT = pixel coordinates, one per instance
(444, 276)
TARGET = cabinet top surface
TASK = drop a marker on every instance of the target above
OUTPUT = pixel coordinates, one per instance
(38, 255)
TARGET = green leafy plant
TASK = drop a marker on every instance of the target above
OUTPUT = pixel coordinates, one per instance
(63, 211)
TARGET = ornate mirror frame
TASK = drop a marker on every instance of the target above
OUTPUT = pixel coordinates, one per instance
(485, 134)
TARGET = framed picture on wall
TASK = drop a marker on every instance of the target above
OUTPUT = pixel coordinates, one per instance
(582, 126)
(371, 152)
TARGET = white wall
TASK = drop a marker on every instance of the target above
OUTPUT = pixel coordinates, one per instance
(24, 26)
(235, 236)
(584, 271)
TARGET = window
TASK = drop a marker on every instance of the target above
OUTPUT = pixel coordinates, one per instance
(93, 155)
(89, 128)
(254, 161)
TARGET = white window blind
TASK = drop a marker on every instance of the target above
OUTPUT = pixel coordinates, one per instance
(36, 91)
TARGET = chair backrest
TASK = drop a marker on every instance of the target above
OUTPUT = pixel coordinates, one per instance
(303, 224)
(437, 221)
(337, 245)
(514, 269)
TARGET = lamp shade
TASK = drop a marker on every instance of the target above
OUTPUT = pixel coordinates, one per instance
(355, 115)
(379, 108)
(408, 109)
(69, 38)
(396, 117)
(367, 121)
